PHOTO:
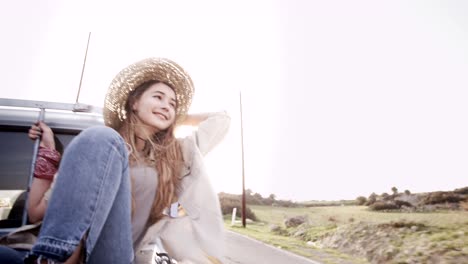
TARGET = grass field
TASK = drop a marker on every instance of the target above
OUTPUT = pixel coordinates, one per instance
(444, 233)
(343, 214)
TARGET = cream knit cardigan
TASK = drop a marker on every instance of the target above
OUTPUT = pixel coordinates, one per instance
(197, 237)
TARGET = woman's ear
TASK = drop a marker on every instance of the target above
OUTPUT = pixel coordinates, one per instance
(135, 106)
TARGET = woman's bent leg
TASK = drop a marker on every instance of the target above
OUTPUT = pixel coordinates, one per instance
(91, 197)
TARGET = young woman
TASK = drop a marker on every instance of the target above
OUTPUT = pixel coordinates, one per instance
(131, 188)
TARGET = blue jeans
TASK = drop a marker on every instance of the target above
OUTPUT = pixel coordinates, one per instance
(11, 256)
(91, 201)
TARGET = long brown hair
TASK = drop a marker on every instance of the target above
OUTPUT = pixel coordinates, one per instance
(161, 150)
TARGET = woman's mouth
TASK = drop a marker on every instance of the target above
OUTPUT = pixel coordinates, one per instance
(161, 115)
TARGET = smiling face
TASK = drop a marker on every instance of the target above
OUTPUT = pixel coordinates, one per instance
(156, 108)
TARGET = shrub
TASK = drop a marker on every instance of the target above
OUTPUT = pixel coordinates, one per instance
(442, 197)
(372, 199)
(361, 200)
(254, 199)
(400, 203)
(227, 204)
(380, 205)
(295, 221)
(463, 190)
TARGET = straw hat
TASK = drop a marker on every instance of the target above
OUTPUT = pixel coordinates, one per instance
(151, 69)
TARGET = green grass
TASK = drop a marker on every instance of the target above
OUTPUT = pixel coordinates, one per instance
(446, 230)
(260, 231)
(342, 214)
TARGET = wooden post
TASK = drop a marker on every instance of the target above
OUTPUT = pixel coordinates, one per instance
(243, 173)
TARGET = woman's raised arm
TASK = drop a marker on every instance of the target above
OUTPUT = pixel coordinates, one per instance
(212, 127)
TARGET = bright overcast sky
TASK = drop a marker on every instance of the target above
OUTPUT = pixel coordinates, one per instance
(341, 98)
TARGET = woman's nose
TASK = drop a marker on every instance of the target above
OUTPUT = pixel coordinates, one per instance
(165, 106)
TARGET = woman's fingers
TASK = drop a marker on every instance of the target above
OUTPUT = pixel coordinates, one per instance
(47, 134)
(34, 132)
(42, 131)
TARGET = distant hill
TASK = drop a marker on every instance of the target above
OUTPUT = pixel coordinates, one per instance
(426, 201)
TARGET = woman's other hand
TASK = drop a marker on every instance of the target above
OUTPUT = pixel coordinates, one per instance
(42, 131)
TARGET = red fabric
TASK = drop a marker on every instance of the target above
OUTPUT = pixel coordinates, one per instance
(47, 163)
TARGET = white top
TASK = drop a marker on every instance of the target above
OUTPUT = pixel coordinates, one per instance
(144, 185)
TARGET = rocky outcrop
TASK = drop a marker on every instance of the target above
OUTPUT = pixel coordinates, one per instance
(295, 221)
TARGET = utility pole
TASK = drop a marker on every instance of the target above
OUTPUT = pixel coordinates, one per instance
(243, 172)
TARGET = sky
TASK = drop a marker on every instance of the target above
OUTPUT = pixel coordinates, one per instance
(339, 98)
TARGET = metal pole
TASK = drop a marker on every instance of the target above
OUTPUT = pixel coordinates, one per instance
(31, 172)
(243, 172)
(82, 70)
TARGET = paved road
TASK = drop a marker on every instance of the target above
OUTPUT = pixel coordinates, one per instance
(243, 250)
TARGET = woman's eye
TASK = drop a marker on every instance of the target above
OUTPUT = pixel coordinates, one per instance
(157, 96)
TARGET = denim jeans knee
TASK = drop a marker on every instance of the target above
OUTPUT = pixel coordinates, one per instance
(98, 134)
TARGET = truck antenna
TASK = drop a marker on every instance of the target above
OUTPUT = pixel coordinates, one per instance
(82, 70)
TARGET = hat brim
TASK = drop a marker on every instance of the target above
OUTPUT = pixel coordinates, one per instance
(151, 69)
